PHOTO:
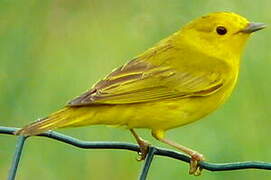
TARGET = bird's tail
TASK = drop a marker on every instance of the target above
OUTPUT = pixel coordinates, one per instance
(67, 117)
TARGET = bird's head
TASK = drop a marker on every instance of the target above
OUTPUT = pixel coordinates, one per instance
(221, 34)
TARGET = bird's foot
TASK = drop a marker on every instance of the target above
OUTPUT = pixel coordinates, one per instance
(144, 149)
(195, 169)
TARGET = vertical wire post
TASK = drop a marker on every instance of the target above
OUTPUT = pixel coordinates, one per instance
(147, 163)
(16, 157)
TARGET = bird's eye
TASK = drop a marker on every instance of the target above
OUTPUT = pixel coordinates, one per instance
(221, 30)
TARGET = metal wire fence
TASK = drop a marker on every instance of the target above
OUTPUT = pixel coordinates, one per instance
(153, 151)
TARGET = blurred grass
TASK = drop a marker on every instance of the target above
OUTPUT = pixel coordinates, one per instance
(51, 51)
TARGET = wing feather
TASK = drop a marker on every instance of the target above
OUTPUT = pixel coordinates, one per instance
(140, 81)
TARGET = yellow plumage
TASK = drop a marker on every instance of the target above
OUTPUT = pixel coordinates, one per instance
(180, 80)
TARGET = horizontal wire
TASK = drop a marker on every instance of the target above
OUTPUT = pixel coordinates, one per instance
(156, 151)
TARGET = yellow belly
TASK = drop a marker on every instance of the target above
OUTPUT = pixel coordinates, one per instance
(173, 113)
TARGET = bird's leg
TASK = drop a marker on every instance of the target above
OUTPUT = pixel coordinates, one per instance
(196, 157)
(143, 145)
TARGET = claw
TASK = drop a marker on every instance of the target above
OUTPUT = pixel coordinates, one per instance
(144, 149)
(195, 169)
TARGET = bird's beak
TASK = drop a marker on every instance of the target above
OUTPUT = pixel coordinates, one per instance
(253, 26)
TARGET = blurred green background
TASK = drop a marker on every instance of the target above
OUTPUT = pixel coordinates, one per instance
(51, 51)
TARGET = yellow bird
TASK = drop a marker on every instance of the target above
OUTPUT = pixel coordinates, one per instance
(180, 80)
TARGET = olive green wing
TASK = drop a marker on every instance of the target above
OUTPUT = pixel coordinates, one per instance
(140, 81)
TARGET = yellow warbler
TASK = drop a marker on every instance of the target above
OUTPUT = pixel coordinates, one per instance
(180, 80)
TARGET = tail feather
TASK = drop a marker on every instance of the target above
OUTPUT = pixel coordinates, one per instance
(70, 116)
